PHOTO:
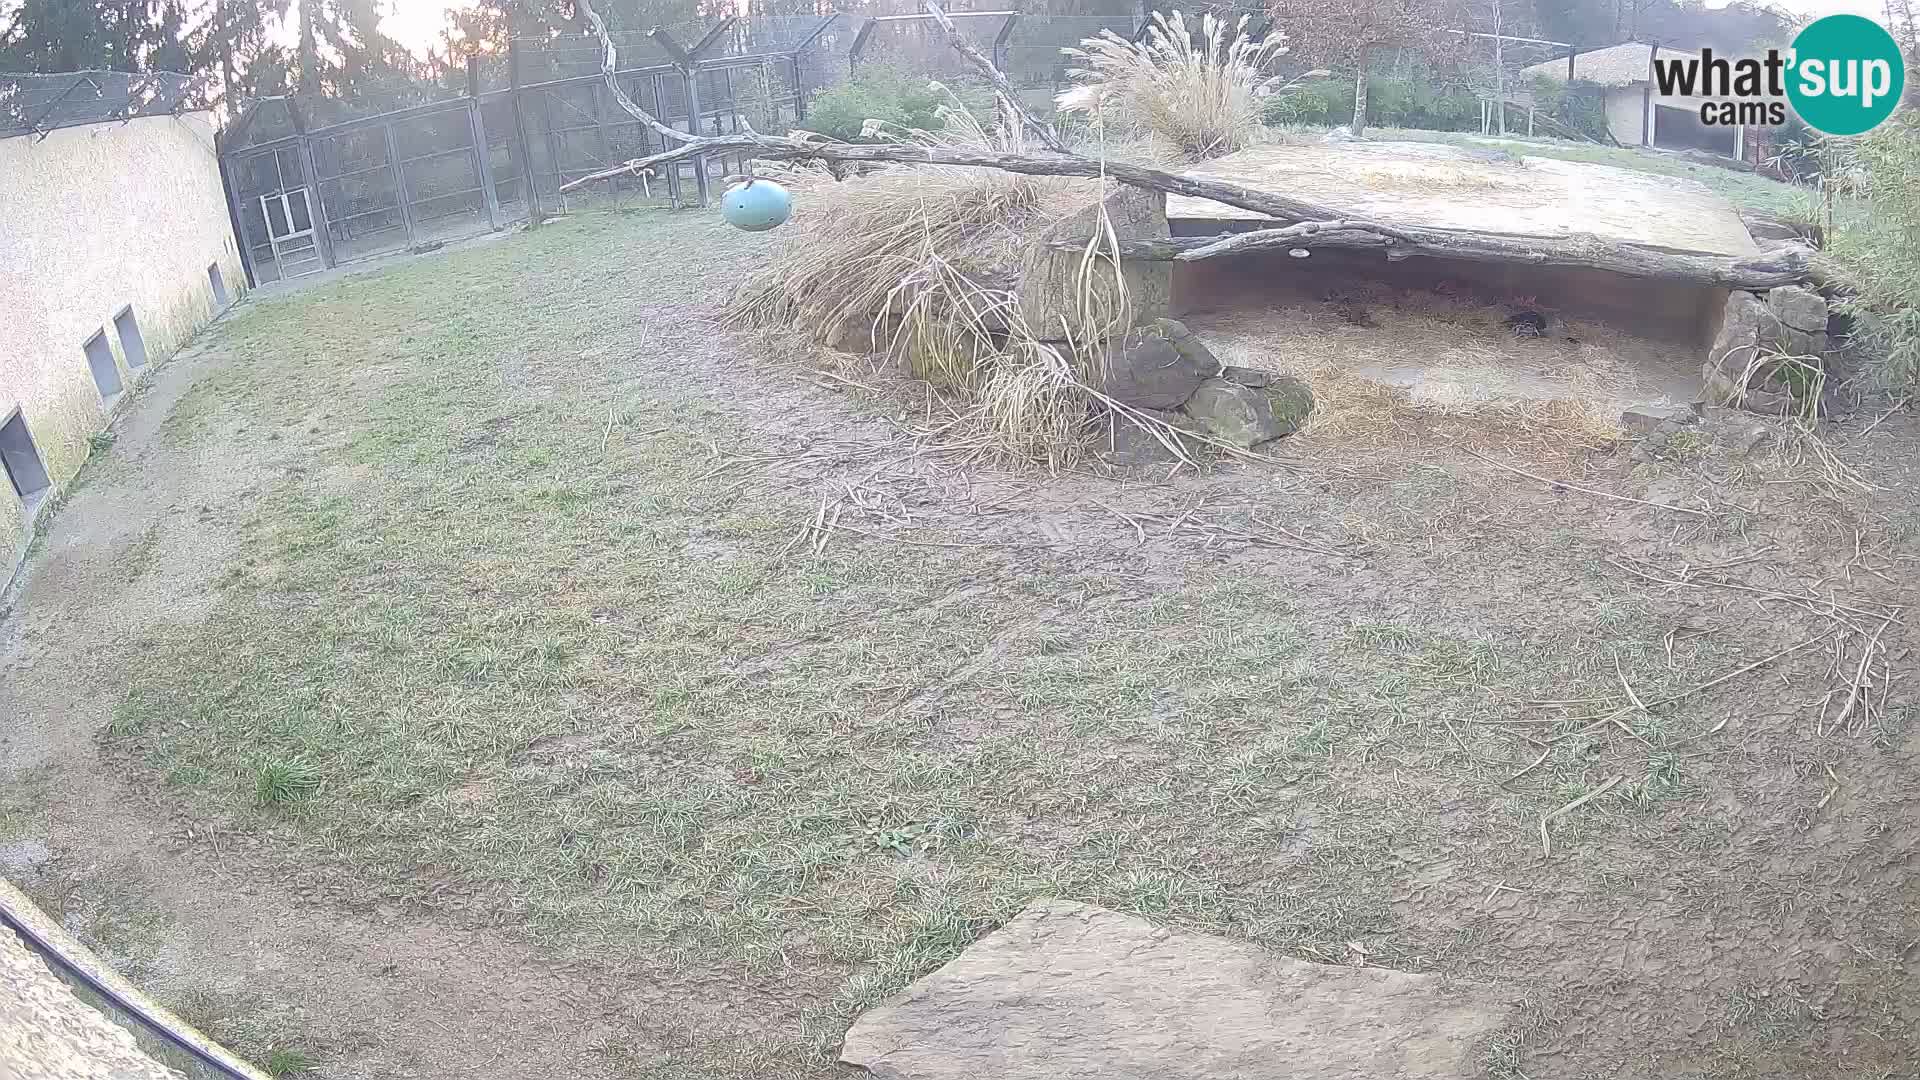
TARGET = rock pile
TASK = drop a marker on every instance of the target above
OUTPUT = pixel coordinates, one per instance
(1162, 369)
(1742, 366)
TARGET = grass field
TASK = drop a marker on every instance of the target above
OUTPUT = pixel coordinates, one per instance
(517, 620)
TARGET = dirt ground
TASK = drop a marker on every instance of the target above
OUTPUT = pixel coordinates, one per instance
(492, 666)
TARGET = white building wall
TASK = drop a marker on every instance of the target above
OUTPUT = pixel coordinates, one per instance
(1626, 113)
(94, 219)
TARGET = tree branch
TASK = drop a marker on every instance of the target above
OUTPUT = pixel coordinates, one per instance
(609, 56)
(1040, 128)
(790, 148)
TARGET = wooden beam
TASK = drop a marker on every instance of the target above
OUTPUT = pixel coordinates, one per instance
(1783, 266)
(706, 41)
(665, 40)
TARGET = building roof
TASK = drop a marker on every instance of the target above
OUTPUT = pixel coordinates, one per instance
(1617, 65)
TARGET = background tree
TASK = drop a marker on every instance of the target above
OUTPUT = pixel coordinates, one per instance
(1351, 34)
(231, 43)
(1688, 24)
(78, 35)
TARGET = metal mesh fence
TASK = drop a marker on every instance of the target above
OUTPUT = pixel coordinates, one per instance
(38, 104)
(306, 198)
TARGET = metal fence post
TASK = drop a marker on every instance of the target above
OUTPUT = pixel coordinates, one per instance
(225, 162)
(799, 92)
(529, 190)
(400, 185)
(1000, 40)
(692, 77)
(600, 129)
(482, 156)
(673, 170)
(689, 80)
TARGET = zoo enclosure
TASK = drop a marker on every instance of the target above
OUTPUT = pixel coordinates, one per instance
(305, 198)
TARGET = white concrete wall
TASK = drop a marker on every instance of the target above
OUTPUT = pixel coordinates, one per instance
(1626, 114)
(93, 219)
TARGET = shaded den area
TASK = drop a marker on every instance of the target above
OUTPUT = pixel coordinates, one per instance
(1458, 332)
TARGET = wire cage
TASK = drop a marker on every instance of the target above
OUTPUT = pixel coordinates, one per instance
(40, 104)
(307, 198)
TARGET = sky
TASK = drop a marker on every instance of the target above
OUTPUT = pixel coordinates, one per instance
(1872, 9)
(416, 24)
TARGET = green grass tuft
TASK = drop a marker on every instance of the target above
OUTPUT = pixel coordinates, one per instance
(286, 1061)
(283, 782)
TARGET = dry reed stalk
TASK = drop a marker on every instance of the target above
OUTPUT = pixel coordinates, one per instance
(1586, 490)
(1546, 841)
(1201, 93)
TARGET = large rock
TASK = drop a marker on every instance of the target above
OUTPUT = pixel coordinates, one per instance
(1746, 328)
(1765, 227)
(864, 335)
(1189, 344)
(1292, 402)
(1069, 991)
(1802, 315)
(1157, 366)
(1234, 414)
(1128, 442)
(1654, 417)
(1047, 277)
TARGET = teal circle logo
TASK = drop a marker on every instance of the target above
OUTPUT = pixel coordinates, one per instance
(1846, 74)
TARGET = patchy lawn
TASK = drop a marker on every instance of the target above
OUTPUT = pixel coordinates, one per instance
(483, 595)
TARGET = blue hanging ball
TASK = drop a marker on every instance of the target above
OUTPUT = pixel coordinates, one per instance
(756, 205)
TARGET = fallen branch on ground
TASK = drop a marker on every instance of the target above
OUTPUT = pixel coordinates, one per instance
(1278, 537)
(1546, 841)
(1587, 490)
(1864, 620)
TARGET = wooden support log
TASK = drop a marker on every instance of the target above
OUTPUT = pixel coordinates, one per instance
(790, 148)
(1782, 266)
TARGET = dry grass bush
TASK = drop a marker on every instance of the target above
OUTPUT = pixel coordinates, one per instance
(1204, 97)
(906, 240)
(923, 257)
